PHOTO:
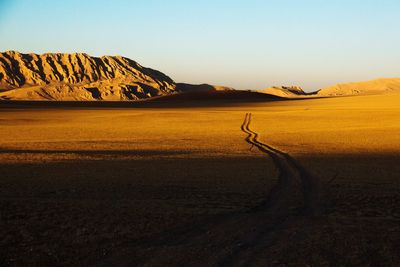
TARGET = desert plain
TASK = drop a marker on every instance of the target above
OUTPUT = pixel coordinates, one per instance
(179, 185)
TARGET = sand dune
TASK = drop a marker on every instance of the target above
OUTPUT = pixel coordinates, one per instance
(374, 87)
(284, 91)
(378, 86)
(218, 97)
(185, 87)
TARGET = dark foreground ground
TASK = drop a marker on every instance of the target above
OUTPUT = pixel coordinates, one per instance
(134, 187)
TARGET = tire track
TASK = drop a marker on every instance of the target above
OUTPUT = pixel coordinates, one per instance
(235, 239)
(289, 171)
(278, 206)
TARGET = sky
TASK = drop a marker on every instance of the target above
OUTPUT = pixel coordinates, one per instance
(245, 44)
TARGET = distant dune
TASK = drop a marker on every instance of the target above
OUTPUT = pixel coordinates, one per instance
(216, 95)
(285, 91)
(377, 86)
(185, 87)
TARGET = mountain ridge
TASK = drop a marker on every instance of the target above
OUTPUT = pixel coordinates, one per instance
(78, 76)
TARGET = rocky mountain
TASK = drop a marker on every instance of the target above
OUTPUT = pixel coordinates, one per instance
(378, 86)
(77, 76)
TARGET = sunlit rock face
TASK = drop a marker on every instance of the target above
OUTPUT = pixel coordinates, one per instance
(78, 76)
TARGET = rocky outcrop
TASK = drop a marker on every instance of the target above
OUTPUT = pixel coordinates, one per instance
(77, 76)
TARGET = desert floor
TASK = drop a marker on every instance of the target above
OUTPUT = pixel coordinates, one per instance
(175, 186)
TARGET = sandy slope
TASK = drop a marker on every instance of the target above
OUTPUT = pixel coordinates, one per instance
(185, 87)
(283, 91)
(374, 87)
(378, 86)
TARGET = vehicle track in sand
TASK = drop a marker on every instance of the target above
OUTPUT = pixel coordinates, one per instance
(289, 170)
(235, 239)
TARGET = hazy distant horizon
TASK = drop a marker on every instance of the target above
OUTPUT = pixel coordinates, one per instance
(245, 45)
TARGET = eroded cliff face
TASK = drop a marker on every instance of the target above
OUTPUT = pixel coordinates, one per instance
(77, 76)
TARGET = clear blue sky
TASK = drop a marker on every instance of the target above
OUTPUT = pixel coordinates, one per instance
(247, 44)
